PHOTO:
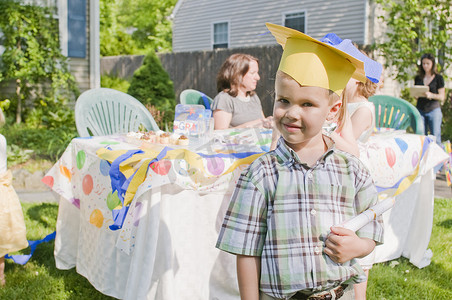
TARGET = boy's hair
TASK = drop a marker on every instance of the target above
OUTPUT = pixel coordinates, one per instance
(232, 71)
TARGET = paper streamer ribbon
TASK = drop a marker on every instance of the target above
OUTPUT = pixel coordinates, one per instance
(126, 180)
(23, 259)
(118, 179)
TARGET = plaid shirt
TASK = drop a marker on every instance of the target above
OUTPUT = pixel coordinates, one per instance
(282, 210)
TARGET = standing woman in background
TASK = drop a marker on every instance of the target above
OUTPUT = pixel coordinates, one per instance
(237, 104)
(430, 105)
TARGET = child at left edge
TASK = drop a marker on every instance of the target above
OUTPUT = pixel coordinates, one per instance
(280, 221)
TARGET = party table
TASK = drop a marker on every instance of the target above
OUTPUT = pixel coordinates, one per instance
(140, 221)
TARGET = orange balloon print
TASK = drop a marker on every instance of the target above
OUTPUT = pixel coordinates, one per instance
(96, 218)
(87, 184)
(66, 173)
(390, 157)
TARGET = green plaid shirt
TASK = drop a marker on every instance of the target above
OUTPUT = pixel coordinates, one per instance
(282, 211)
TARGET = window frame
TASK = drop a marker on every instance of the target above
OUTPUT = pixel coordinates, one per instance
(303, 11)
(213, 34)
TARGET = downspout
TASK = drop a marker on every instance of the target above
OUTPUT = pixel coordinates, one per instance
(94, 44)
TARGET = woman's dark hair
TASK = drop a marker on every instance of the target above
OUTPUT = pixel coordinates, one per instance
(421, 69)
(232, 71)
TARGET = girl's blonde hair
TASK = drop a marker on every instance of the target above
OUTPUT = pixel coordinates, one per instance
(367, 89)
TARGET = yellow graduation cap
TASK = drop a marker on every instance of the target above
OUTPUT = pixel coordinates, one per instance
(313, 63)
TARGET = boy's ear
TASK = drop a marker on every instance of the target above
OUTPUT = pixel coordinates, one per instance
(334, 110)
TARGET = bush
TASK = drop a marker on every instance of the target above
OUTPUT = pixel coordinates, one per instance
(46, 143)
(151, 85)
(114, 82)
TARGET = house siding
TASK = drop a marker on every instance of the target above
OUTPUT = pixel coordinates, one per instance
(192, 27)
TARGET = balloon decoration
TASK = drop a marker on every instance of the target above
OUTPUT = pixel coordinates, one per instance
(87, 184)
(66, 173)
(161, 167)
(215, 165)
(80, 158)
(414, 158)
(104, 167)
(390, 156)
(113, 200)
(96, 218)
(402, 144)
(48, 180)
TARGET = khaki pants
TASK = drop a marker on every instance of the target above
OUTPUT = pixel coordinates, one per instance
(349, 294)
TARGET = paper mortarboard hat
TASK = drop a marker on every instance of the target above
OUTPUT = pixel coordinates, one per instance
(372, 68)
(314, 63)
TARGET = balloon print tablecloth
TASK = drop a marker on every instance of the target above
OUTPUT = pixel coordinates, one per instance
(141, 221)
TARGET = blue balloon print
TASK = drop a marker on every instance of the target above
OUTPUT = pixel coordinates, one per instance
(104, 167)
(402, 144)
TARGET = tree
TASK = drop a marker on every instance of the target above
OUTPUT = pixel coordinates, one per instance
(113, 37)
(149, 20)
(32, 58)
(135, 26)
(151, 85)
(415, 27)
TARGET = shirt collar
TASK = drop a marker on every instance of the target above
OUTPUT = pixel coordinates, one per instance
(288, 155)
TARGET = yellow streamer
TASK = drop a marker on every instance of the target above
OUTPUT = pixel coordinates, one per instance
(127, 166)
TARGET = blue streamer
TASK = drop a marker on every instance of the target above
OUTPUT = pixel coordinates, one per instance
(119, 215)
(23, 259)
(117, 178)
(228, 155)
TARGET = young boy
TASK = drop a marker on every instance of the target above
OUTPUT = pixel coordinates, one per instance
(280, 222)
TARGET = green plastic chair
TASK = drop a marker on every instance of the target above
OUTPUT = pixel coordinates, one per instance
(392, 112)
(104, 111)
(190, 96)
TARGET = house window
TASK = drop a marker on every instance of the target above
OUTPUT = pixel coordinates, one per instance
(76, 24)
(220, 35)
(296, 20)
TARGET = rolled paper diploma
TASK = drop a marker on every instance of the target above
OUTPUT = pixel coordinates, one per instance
(368, 215)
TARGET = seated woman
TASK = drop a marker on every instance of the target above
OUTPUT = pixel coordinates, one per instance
(237, 105)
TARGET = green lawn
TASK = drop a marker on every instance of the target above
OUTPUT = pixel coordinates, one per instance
(39, 279)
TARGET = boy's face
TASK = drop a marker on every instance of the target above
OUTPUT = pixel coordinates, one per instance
(300, 111)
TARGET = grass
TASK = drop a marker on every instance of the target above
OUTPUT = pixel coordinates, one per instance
(405, 281)
(398, 279)
(39, 278)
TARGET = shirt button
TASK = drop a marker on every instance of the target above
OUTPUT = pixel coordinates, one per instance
(316, 250)
(313, 212)
(310, 176)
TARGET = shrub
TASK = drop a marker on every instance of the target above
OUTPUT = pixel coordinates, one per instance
(114, 82)
(46, 143)
(151, 85)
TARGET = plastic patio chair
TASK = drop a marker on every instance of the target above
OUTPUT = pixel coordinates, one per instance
(190, 96)
(392, 112)
(104, 111)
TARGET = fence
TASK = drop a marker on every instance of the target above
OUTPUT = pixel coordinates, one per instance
(198, 70)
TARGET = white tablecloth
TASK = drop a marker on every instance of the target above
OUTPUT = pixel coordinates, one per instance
(166, 247)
